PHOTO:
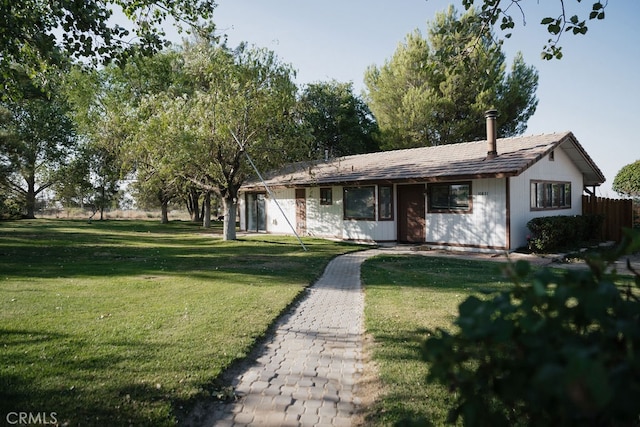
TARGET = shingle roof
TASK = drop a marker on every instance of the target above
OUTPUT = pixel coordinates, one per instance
(441, 163)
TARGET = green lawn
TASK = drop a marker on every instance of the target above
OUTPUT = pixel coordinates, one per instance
(405, 296)
(128, 322)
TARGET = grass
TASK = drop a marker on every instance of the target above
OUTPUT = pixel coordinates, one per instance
(130, 322)
(406, 296)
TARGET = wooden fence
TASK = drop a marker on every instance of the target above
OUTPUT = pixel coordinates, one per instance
(617, 213)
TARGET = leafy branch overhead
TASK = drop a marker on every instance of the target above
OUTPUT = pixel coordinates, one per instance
(492, 11)
(29, 30)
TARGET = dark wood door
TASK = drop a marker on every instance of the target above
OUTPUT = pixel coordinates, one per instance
(411, 213)
(301, 211)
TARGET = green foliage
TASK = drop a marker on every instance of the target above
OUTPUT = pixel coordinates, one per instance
(9, 207)
(557, 349)
(435, 91)
(184, 119)
(340, 122)
(627, 180)
(192, 115)
(560, 232)
(37, 137)
(29, 30)
(493, 10)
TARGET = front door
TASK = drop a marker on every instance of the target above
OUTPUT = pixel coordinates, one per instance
(411, 213)
(301, 211)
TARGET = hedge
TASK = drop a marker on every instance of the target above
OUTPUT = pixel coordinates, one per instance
(551, 233)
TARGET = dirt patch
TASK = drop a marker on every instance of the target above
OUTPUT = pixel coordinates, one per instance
(368, 387)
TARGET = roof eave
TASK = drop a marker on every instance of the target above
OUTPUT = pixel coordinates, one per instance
(381, 181)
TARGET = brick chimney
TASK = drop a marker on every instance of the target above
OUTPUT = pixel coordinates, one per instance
(492, 134)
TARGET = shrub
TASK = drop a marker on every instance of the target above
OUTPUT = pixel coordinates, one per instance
(557, 232)
(557, 349)
(9, 208)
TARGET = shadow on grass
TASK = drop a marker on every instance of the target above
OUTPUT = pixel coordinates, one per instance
(445, 273)
(73, 389)
(55, 249)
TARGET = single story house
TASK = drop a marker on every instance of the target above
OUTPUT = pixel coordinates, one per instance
(475, 195)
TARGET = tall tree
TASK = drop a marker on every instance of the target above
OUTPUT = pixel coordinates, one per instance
(218, 105)
(97, 170)
(123, 136)
(37, 138)
(340, 122)
(435, 91)
(242, 104)
(30, 31)
(155, 146)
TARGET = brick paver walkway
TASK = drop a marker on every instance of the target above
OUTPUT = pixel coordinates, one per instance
(308, 372)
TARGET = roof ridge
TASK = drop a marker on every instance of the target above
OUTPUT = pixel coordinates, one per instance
(442, 146)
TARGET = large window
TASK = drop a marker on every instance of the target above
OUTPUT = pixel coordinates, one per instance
(550, 195)
(360, 203)
(452, 197)
(385, 202)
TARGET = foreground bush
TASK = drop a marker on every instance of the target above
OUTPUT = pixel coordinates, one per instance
(557, 349)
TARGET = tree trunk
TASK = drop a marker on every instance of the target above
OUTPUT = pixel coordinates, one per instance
(165, 212)
(30, 197)
(102, 204)
(206, 205)
(229, 227)
(193, 204)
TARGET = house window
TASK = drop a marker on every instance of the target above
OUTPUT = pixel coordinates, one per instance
(256, 212)
(385, 202)
(360, 203)
(550, 195)
(454, 197)
(326, 196)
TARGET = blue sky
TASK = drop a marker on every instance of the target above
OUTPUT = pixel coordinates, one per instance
(594, 91)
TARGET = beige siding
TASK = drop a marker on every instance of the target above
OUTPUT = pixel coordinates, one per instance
(242, 211)
(324, 220)
(560, 169)
(327, 220)
(276, 222)
(484, 227)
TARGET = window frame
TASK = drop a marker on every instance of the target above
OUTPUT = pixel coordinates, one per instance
(381, 203)
(431, 187)
(549, 196)
(372, 208)
(324, 200)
